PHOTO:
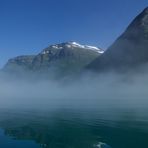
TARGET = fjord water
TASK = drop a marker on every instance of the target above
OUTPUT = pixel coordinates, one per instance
(72, 128)
(100, 113)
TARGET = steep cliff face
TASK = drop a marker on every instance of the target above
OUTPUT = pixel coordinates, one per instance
(129, 50)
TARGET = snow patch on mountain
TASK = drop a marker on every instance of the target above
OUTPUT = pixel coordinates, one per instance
(73, 45)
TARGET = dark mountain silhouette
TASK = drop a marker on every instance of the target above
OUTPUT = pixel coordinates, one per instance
(129, 51)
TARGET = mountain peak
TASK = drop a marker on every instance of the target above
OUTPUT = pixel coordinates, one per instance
(145, 10)
(130, 50)
(72, 42)
(72, 45)
(144, 17)
(138, 29)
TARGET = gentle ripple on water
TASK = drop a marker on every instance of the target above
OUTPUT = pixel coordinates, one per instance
(69, 128)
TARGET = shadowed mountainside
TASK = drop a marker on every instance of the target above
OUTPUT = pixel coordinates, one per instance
(129, 51)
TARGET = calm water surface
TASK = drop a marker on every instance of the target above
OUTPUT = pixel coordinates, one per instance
(72, 128)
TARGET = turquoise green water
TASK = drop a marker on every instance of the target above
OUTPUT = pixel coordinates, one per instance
(67, 128)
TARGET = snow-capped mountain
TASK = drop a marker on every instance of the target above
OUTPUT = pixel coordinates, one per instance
(64, 58)
(73, 45)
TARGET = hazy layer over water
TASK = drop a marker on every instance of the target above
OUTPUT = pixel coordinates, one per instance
(109, 110)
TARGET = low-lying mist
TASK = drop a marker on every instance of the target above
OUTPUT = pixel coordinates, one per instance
(109, 94)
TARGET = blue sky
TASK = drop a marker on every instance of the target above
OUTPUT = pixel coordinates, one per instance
(28, 26)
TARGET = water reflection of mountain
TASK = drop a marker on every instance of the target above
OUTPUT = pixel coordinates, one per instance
(62, 130)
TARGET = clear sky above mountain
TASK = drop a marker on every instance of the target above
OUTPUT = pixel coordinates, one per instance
(27, 26)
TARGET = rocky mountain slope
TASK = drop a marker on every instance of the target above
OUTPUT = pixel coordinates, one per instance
(60, 59)
(129, 51)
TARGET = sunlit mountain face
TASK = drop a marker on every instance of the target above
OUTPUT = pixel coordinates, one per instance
(60, 59)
